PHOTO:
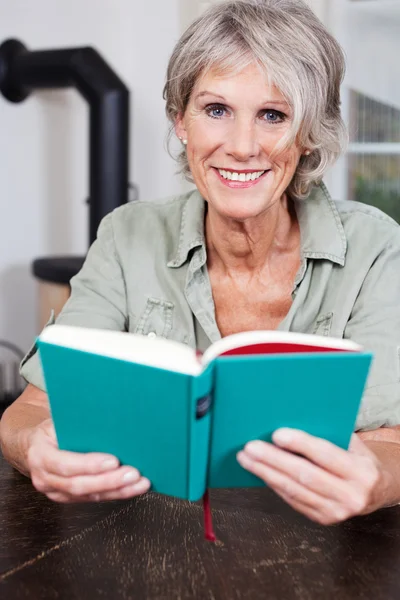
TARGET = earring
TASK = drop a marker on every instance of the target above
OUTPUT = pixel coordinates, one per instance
(307, 152)
(184, 142)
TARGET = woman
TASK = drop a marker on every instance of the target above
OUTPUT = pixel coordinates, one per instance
(253, 94)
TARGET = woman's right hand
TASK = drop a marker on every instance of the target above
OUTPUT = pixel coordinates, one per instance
(73, 477)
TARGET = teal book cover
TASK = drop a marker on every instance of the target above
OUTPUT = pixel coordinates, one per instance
(143, 415)
(183, 426)
(254, 395)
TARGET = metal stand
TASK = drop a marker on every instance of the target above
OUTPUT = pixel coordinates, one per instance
(22, 71)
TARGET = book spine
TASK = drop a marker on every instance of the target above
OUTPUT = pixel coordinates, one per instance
(200, 415)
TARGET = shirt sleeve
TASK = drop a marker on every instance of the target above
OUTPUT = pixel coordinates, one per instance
(375, 324)
(98, 297)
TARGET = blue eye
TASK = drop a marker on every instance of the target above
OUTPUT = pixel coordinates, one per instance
(273, 116)
(216, 111)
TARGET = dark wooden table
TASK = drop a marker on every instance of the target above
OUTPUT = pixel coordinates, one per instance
(153, 547)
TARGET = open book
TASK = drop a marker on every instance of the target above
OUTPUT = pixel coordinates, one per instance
(181, 418)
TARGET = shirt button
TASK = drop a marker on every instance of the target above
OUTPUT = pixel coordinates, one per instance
(152, 334)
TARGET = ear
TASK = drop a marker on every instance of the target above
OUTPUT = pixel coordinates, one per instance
(180, 127)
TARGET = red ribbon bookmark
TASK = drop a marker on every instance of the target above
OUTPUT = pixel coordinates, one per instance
(208, 525)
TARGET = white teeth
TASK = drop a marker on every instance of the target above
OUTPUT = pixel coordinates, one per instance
(234, 176)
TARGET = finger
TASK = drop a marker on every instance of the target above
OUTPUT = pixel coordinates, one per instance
(130, 491)
(298, 469)
(59, 497)
(82, 485)
(284, 484)
(69, 464)
(318, 508)
(321, 452)
(314, 515)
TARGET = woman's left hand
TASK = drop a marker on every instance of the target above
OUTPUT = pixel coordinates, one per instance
(325, 483)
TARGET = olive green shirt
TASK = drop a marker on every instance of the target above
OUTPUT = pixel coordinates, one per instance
(146, 273)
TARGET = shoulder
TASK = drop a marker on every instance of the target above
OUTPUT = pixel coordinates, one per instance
(153, 230)
(362, 221)
(140, 219)
(161, 211)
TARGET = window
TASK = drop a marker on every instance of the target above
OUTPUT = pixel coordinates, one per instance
(368, 31)
(374, 154)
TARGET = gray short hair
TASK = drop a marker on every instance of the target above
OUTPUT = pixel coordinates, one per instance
(298, 54)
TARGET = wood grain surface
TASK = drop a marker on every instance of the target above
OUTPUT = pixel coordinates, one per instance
(153, 547)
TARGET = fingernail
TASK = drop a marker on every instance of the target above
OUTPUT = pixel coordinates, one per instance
(255, 449)
(143, 485)
(282, 436)
(130, 476)
(110, 463)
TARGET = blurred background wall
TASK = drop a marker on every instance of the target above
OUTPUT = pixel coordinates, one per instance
(44, 145)
(44, 140)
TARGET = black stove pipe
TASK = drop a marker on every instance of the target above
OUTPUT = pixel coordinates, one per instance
(22, 71)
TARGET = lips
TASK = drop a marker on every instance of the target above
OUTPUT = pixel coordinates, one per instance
(241, 175)
(240, 179)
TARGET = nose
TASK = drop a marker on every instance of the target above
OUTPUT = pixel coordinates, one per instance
(242, 143)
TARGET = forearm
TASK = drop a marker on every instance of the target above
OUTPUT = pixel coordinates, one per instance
(18, 422)
(388, 453)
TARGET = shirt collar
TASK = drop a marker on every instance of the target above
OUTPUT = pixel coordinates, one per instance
(191, 233)
(321, 230)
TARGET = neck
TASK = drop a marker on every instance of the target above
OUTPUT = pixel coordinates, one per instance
(249, 246)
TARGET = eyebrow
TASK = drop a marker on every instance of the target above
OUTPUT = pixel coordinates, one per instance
(268, 101)
(207, 93)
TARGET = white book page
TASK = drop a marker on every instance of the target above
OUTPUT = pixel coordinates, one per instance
(155, 352)
(246, 338)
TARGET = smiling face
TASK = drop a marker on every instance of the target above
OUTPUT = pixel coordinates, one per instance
(232, 124)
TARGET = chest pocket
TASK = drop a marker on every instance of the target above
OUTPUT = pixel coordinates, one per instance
(323, 324)
(156, 318)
